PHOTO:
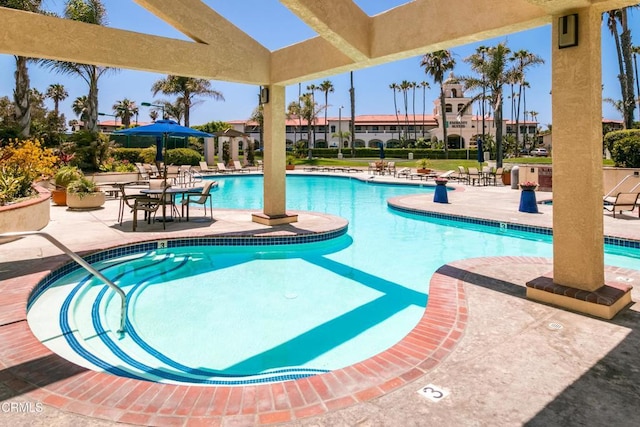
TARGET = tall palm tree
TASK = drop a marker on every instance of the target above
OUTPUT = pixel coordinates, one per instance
(636, 50)
(496, 72)
(188, 89)
(414, 85)
(308, 111)
(395, 88)
(257, 115)
(436, 64)
(293, 112)
(624, 51)
(424, 85)
(312, 88)
(22, 107)
(405, 85)
(125, 109)
(326, 87)
(153, 115)
(57, 93)
(90, 12)
(523, 60)
(80, 108)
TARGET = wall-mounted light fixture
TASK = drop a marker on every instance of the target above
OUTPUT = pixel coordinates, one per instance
(264, 95)
(568, 31)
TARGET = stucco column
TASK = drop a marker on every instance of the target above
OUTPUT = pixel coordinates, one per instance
(578, 254)
(274, 211)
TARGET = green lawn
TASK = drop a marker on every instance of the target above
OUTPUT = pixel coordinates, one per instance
(441, 164)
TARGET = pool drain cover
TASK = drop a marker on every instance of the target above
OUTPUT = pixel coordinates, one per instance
(555, 326)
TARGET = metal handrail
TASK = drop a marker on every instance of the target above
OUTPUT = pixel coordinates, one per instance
(635, 175)
(83, 263)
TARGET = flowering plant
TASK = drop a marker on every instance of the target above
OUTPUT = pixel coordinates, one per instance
(528, 184)
(442, 180)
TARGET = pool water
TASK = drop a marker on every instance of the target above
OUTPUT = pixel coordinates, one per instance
(237, 315)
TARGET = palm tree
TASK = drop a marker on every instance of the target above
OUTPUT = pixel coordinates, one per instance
(125, 109)
(309, 111)
(326, 87)
(424, 85)
(495, 74)
(395, 88)
(414, 85)
(624, 51)
(405, 85)
(153, 115)
(80, 108)
(188, 90)
(57, 93)
(257, 115)
(636, 50)
(312, 91)
(293, 111)
(90, 12)
(617, 104)
(523, 59)
(22, 107)
(436, 64)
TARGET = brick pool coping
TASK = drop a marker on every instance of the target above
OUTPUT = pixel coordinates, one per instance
(30, 369)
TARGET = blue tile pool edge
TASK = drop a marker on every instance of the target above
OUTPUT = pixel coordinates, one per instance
(135, 248)
(503, 225)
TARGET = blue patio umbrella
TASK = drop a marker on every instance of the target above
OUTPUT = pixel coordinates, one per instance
(162, 129)
(381, 146)
(480, 152)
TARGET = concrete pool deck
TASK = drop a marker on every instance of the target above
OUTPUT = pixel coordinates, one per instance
(501, 359)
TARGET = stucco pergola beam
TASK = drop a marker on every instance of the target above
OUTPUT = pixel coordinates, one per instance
(65, 40)
(342, 24)
(559, 7)
(204, 25)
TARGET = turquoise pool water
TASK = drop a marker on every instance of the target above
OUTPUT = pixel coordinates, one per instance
(236, 315)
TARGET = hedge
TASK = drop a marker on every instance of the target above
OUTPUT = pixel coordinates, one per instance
(397, 153)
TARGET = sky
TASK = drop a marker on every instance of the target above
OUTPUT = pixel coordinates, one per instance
(274, 26)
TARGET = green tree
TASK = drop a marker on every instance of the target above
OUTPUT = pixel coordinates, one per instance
(57, 93)
(436, 64)
(523, 60)
(617, 22)
(395, 88)
(188, 90)
(326, 87)
(90, 12)
(258, 116)
(80, 108)
(22, 107)
(125, 109)
(424, 85)
(495, 72)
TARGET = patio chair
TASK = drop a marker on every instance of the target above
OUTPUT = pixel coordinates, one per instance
(150, 205)
(622, 202)
(391, 168)
(143, 175)
(202, 198)
(373, 167)
(260, 165)
(462, 175)
(204, 168)
(222, 168)
(237, 167)
(494, 174)
(474, 176)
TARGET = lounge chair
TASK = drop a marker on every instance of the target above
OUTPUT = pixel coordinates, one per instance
(260, 165)
(143, 175)
(622, 202)
(406, 172)
(201, 199)
(204, 168)
(222, 168)
(237, 167)
(447, 175)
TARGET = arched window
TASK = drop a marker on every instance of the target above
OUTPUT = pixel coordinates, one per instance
(454, 93)
(448, 108)
(460, 108)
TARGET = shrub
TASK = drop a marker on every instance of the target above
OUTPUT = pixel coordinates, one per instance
(65, 175)
(626, 151)
(131, 155)
(22, 163)
(611, 138)
(82, 187)
(182, 156)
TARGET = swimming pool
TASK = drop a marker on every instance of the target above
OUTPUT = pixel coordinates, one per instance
(248, 314)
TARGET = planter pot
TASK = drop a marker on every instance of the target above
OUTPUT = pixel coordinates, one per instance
(29, 215)
(291, 167)
(423, 171)
(506, 178)
(87, 201)
(59, 197)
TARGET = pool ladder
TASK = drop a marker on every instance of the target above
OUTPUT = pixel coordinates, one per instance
(83, 263)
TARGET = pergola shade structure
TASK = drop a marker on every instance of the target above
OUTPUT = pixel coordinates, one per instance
(348, 39)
